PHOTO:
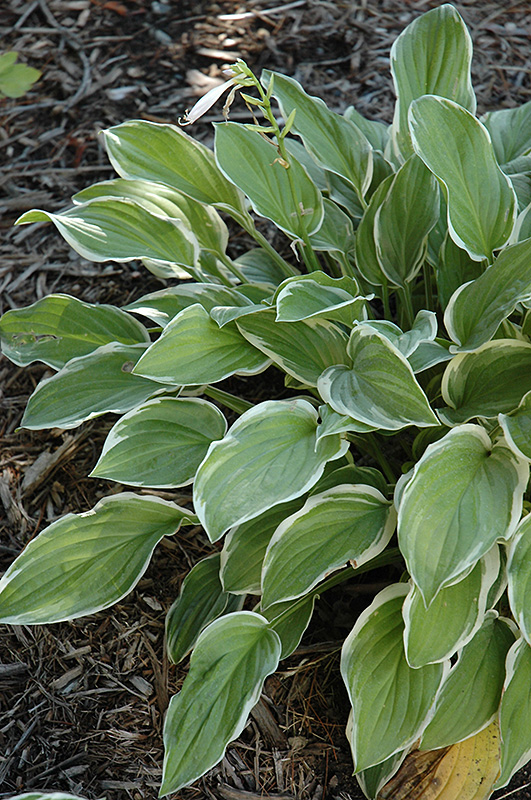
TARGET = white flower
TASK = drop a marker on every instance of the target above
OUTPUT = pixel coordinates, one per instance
(205, 103)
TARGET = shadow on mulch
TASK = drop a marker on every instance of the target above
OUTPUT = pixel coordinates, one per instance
(82, 703)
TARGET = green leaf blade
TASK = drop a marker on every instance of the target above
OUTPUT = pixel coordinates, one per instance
(58, 328)
(89, 386)
(435, 634)
(336, 143)
(232, 658)
(200, 601)
(464, 495)
(83, 563)
(303, 349)
(161, 443)
(121, 230)
(292, 202)
(489, 381)
(515, 710)
(431, 56)
(401, 227)
(390, 701)
(481, 201)
(470, 697)
(161, 200)
(272, 452)
(341, 525)
(477, 309)
(380, 389)
(245, 546)
(193, 350)
(166, 154)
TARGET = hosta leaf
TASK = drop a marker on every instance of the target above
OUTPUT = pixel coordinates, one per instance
(466, 770)
(259, 268)
(302, 349)
(332, 422)
(121, 230)
(208, 227)
(59, 328)
(335, 143)
(453, 267)
(232, 658)
(46, 796)
(436, 633)
(519, 575)
(515, 710)
(491, 380)
(222, 315)
(380, 388)
(161, 443)
(366, 257)
(318, 295)
(346, 284)
(377, 133)
(89, 386)
(464, 495)
(428, 354)
(456, 147)
(431, 56)
(509, 130)
(342, 193)
(336, 234)
(164, 305)
(289, 620)
(245, 546)
(293, 203)
(316, 173)
(478, 308)
(165, 154)
(83, 563)
(401, 227)
(470, 696)
(271, 451)
(373, 779)
(390, 701)
(522, 186)
(194, 350)
(340, 525)
(424, 329)
(200, 601)
(517, 428)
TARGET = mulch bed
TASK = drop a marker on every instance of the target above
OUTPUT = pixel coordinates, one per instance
(82, 703)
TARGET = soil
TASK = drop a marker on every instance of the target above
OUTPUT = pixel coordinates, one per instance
(82, 702)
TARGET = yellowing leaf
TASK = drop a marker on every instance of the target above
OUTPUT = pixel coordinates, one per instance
(464, 771)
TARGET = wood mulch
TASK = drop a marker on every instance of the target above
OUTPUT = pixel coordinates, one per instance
(82, 703)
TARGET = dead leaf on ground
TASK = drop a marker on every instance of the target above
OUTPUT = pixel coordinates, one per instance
(464, 771)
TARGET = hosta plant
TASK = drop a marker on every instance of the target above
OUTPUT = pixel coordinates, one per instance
(399, 319)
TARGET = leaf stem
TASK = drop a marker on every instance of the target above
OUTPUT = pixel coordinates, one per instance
(409, 313)
(260, 239)
(229, 400)
(385, 299)
(232, 267)
(367, 444)
(427, 286)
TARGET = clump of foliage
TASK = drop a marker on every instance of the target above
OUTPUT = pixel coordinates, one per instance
(16, 79)
(402, 327)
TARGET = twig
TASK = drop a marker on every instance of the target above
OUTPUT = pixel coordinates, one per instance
(262, 12)
(513, 791)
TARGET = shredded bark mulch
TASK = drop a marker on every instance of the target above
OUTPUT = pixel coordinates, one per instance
(82, 703)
